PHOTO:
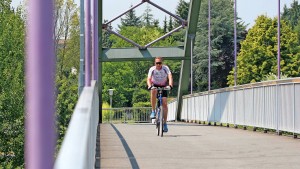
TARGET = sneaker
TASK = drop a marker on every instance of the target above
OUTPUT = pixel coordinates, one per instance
(152, 116)
(166, 127)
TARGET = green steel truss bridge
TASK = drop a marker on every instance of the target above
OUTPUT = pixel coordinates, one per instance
(127, 139)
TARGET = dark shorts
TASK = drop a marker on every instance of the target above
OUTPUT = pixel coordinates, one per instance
(164, 92)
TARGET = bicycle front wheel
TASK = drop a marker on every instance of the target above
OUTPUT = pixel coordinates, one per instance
(161, 122)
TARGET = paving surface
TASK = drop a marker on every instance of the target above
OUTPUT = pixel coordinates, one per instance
(189, 145)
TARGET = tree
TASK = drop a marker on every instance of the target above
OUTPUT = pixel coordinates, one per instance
(170, 24)
(130, 19)
(106, 42)
(66, 81)
(258, 56)
(12, 37)
(222, 46)
(64, 13)
(118, 76)
(67, 97)
(165, 25)
(147, 17)
(70, 58)
(182, 10)
(291, 15)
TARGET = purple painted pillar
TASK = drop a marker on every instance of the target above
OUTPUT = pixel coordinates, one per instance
(278, 39)
(87, 14)
(40, 75)
(95, 44)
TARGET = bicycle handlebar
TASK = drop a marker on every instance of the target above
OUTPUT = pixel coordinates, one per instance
(161, 88)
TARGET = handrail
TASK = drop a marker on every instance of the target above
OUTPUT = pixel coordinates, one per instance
(79, 145)
(267, 105)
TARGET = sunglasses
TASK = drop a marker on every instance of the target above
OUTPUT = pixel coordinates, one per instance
(158, 63)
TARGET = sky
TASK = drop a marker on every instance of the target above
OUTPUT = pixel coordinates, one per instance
(247, 10)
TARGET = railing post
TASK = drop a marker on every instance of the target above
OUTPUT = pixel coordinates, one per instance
(294, 110)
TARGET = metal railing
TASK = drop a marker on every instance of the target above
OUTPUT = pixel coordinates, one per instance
(268, 105)
(79, 145)
(126, 115)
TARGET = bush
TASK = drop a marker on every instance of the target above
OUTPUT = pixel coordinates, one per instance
(142, 104)
(106, 113)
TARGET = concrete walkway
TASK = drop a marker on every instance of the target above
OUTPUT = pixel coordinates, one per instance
(194, 146)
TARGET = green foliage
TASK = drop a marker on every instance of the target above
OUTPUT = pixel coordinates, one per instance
(118, 76)
(170, 24)
(258, 56)
(106, 114)
(222, 46)
(142, 104)
(130, 19)
(182, 9)
(292, 14)
(140, 93)
(106, 42)
(147, 17)
(65, 103)
(272, 76)
(12, 37)
(66, 81)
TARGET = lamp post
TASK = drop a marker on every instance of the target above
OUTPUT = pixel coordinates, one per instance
(110, 92)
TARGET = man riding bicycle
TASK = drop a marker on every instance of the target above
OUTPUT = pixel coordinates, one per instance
(159, 75)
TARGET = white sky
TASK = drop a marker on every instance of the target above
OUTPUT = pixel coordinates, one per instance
(248, 10)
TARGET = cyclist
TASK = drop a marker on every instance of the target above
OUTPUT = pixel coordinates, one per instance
(159, 75)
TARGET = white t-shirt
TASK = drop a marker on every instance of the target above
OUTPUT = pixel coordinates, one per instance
(159, 77)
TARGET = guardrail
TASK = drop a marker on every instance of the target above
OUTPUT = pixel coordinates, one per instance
(172, 110)
(268, 105)
(126, 115)
(79, 145)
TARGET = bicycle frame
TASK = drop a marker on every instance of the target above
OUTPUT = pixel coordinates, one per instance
(159, 110)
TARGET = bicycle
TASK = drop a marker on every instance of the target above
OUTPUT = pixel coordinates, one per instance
(159, 110)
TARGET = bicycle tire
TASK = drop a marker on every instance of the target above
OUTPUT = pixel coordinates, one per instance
(161, 121)
(157, 120)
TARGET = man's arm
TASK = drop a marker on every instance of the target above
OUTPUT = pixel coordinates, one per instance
(149, 82)
(170, 79)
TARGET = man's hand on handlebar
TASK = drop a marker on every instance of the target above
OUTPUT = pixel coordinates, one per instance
(165, 88)
(150, 88)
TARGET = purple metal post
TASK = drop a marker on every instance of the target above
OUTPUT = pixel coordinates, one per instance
(40, 75)
(95, 47)
(278, 39)
(87, 13)
(235, 48)
(209, 46)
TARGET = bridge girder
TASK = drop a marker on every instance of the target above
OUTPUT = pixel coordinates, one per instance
(174, 53)
(135, 54)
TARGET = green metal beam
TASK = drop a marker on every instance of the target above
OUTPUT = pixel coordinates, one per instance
(135, 54)
(186, 64)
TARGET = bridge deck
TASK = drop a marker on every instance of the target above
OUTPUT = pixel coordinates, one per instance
(189, 145)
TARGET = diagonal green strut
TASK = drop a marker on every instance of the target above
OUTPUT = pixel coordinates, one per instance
(186, 64)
